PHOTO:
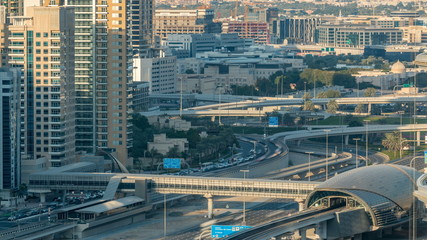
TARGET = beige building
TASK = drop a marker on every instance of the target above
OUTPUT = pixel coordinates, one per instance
(196, 21)
(163, 144)
(102, 74)
(196, 83)
(41, 45)
(169, 122)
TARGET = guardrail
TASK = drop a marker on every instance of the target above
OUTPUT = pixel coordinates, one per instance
(15, 232)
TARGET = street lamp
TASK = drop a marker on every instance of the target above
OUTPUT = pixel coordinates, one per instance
(309, 165)
(219, 106)
(367, 139)
(244, 198)
(356, 139)
(164, 216)
(327, 151)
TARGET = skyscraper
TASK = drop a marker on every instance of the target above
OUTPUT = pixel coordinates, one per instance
(10, 132)
(107, 34)
(41, 45)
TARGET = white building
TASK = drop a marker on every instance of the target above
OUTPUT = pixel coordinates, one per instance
(385, 80)
(160, 73)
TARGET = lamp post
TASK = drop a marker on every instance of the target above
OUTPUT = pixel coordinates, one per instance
(367, 140)
(309, 165)
(180, 101)
(305, 88)
(414, 202)
(219, 106)
(164, 216)
(327, 152)
(358, 89)
(356, 139)
(244, 198)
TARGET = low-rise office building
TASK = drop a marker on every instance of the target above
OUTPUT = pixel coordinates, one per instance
(163, 144)
(357, 36)
(160, 73)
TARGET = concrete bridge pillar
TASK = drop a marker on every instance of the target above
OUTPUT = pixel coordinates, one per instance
(213, 119)
(346, 139)
(42, 197)
(300, 204)
(321, 230)
(369, 107)
(299, 143)
(209, 197)
(418, 138)
(303, 234)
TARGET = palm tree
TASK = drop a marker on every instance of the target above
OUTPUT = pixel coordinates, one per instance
(332, 107)
(308, 105)
(370, 92)
(393, 142)
(359, 108)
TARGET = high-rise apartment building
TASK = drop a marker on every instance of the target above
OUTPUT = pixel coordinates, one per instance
(141, 26)
(296, 29)
(185, 22)
(14, 7)
(41, 45)
(104, 31)
(9, 132)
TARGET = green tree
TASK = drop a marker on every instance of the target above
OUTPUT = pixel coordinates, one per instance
(360, 108)
(422, 80)
(265, 87)
(355, 123)
(246, 90)
(393, 141)
(173, 152)
(348, 118)
(155, 156)
(344, 79)
(332, 106)
(329, 94)
(370, 92)
(308, 105)
(288, 119)
(307, 96)
(142, 133)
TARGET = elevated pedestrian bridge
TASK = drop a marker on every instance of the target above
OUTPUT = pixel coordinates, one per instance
(142, 183)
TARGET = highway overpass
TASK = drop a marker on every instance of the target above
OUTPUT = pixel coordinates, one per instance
(248, 106)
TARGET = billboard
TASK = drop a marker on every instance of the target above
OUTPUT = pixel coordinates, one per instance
(221, 231)
(172, 163)
(273, 121)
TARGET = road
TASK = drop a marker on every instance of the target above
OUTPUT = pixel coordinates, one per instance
(263, 213)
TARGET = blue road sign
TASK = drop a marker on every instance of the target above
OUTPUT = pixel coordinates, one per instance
(425, 156)
(221, 231)
(273, 121)
(172, 163)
